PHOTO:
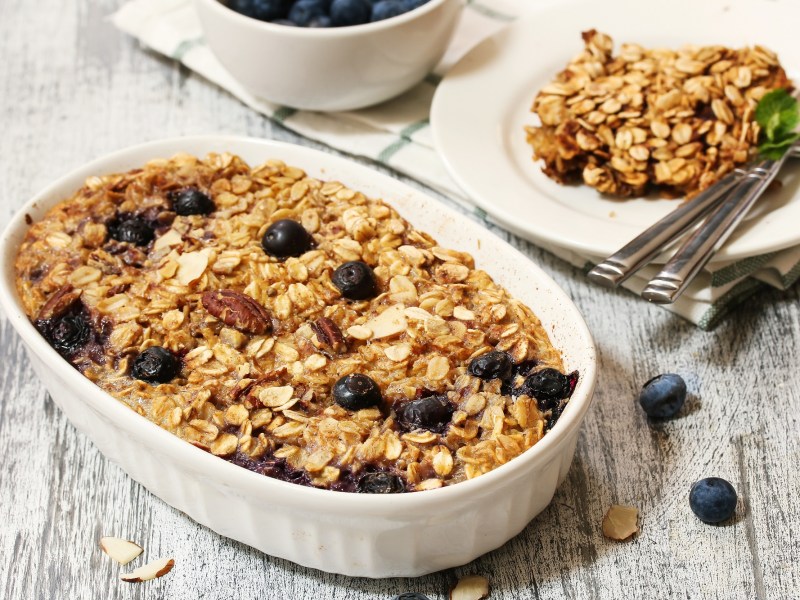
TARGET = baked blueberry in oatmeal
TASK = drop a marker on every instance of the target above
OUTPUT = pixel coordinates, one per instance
(289, 325)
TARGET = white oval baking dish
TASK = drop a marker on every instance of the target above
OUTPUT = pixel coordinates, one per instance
(352, 534)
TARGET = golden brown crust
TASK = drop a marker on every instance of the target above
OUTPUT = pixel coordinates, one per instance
(262, 341)
(661, 119)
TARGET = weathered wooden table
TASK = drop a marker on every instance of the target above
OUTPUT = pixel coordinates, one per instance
(74, 88)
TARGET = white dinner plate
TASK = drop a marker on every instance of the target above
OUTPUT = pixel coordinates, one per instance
(481, 108)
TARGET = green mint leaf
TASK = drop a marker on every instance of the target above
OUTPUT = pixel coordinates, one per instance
(774, 150)
(777, 114)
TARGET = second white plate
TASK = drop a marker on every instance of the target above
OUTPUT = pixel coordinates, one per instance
(481, 108)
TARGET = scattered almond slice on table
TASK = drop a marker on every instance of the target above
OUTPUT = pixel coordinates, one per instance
(151, 570)
(120, 550)
(471, 587)
(620, 522)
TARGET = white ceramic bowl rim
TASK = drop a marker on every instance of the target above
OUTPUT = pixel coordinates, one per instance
(341, 503)
(321, 32)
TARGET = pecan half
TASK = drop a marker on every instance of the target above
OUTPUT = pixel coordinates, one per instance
(59, 303)
(237, 310)
(328, 333)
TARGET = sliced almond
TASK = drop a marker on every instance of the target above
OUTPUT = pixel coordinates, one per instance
(170, 238)
(151, 570)
(390, 322)
(191, 266)
(272, 397)
(620, 522)
(120, 550)
(471, 587)
(359, 332)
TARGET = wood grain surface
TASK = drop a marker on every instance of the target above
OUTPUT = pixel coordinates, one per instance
(73, 88)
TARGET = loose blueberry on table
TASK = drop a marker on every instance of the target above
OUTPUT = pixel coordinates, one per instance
(322, 13)
(411, 596)
(663, 396)
(713, 500)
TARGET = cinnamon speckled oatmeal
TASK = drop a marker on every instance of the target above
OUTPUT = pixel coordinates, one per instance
(289, 325)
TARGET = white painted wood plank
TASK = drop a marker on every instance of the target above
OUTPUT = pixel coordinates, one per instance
(74, 88)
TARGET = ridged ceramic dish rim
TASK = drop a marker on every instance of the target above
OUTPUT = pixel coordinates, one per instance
(352, 534)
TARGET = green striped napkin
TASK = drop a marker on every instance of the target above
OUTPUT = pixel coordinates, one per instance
(397, 133)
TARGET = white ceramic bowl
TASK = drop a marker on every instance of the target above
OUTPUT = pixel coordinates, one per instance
(353, 534)
(337, 68)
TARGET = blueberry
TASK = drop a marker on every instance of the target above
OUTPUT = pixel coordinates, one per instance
(263, 10)
(321, 22)
(305, 11)
(350, 12)
(412, 4)
(712, 499)
(411, 596)
(69, 334)
(492, 365)
(381, 483)
(432, 413)
(133, 230)
(156, 365)
(191, 201)
(356, 391)
(386, 9)
(286, 238)
(548, 386)
(663, 396)
(355, 280)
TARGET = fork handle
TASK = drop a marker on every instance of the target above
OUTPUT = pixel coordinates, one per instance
(646, 246)
(698, 249)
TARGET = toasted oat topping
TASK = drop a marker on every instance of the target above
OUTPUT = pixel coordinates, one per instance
(261, 341)
(673, 120)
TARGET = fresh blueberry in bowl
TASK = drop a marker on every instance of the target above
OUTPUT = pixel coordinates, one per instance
(355, 280)
(304, 12)
(713, 500)
(663, 396)
(356, 391)
(320, 22)
(156, 365)
(263, 10)
(191, 201)
(412, 4)
(492, 365)
(350, 12)
(286, 238)
(386, 9)
(381, 483)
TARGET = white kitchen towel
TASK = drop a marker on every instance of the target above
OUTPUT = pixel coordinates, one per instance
(397, 134)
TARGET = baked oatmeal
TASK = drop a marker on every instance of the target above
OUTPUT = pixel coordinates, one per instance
(674, 121)
(289, 325)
